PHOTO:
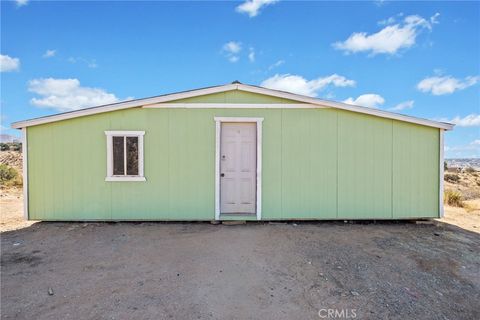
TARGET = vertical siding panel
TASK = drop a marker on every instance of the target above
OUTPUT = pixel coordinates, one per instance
(365, 159)
(156, 193)
(309, 164)
(322, 180)
(295, 168)
(191, 153)
(415, 171)
(48, 191)
(272, 164)
(36, 199)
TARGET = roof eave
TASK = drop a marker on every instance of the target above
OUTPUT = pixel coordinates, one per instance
(228, 87)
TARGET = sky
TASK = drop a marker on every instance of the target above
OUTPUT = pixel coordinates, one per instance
(415, 58)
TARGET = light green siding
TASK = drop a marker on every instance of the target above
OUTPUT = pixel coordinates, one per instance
(317, 164)
(234, 96)
(415, 171)
(364, 166)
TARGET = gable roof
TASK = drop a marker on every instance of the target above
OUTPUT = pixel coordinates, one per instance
(158, 100)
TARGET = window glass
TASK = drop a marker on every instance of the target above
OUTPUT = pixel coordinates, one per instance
(118, 156)
(132, 156)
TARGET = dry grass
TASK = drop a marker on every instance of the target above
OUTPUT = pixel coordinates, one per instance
(453, 198)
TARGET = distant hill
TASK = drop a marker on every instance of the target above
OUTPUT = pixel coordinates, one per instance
(7, 138)
(464, 163)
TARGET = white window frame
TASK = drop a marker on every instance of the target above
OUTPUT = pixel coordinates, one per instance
(218, 130)
(110, 135)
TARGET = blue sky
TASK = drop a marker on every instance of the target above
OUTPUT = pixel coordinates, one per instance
(416, 58)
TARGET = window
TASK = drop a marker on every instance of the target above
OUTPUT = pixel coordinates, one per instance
(125, 155)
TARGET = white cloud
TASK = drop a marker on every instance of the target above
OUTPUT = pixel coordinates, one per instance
(388, 21)
(252, 7)
(369, 100)
(21, 3)
(471, 120)
(439, 85)
(390, 39)
(231, 50)
(403, 106)
(232, 47)
(276, 64)
(67, 94)
(8, 63)
(90, 63)
(49, 53)
(251, 55)
(300, 85)
(476, 142)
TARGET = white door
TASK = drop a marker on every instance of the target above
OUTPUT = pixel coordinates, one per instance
(238, 166)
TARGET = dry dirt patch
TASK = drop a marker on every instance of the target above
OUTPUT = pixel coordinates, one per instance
(269, 271)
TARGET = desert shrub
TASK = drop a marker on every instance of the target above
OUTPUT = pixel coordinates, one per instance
(453, 198)
(16, 146)
(4, 147)
(470, 170)
(445, 166)
(451, 177)
(7, 173)
(9, 176)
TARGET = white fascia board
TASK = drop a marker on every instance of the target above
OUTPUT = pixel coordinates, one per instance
(122, 105)
(348, 107)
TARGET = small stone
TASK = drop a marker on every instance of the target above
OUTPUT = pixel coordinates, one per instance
(424, 222)
(234, 222)
(436, 233)
(215, 222)
(354, 293)
(50, 291)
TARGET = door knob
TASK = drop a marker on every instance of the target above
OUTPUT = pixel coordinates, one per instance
(222, 174)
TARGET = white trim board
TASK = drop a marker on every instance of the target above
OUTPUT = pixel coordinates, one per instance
(440, 187)
(229, 87)
(25, 172)
(234, 106)
(218, 128)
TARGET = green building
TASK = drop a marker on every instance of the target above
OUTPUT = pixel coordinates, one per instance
(232, 152)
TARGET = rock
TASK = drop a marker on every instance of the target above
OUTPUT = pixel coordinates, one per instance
(354, 293)
(234, 222)
(50, 292)
(424, 222)
(215, 222)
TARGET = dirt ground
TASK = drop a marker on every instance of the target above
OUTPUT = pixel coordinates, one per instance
(254, 271)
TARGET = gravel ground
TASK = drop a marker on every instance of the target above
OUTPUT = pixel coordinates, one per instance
(252, 271)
